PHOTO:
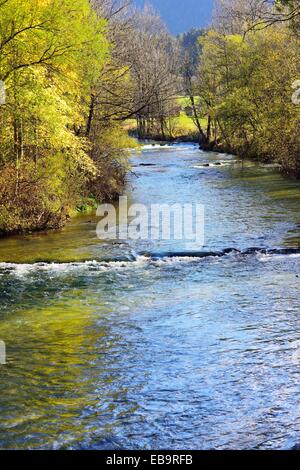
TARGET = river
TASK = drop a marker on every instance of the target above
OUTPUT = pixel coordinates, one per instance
(112, 347)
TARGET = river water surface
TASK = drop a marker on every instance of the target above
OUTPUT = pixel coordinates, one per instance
(112, 347)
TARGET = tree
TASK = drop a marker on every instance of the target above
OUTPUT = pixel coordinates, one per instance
(153, 62)
(245, 82)
(51, 53)
(280, 11)
(237, 16)
(240, 16)
(190, 52)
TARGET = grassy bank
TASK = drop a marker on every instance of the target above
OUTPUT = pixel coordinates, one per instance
(179, 127)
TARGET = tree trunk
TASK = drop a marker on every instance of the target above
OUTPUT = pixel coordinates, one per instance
(90, 116)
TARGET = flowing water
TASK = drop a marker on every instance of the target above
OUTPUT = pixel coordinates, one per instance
(144, 346)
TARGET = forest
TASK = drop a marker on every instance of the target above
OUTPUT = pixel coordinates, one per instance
(79, 80)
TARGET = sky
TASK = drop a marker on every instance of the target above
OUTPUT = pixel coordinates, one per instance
(182, 15)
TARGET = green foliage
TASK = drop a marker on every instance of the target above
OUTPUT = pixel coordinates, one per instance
(245, 85)
(110, 156)
(52, 54)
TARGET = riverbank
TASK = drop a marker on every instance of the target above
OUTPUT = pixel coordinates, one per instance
(223, 148)
(33, 198)
(88, 205)
(54, 222)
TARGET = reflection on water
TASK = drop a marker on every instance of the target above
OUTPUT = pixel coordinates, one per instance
(173, 352)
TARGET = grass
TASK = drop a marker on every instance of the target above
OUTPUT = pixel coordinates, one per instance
(187, 123)
(182, 126)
